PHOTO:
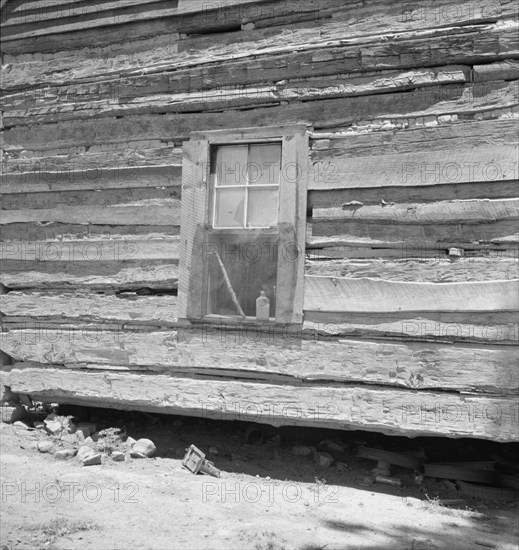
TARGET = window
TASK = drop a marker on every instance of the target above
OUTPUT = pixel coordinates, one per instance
(246, 185)
(243, 225)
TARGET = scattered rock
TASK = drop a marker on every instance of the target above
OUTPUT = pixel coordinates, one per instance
(143, 448)
(88, 457)
(89, 441)
(29, 446)
(82, 432)
(54, 427)
(39, 425)
(118, 456)
(301, 450)
(91, 460)
(22, 425)
(91, 426)
(64, 454)
(323, 459)
(130, 442)
(45, 446)
(68, 425)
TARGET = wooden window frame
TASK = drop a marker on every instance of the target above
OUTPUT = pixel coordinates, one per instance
(291, 227)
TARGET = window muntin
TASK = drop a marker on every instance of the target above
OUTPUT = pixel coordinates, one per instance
(246, 185)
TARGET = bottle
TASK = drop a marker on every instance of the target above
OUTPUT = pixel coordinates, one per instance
(262, 307)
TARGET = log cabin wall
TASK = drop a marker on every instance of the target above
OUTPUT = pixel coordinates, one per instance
(410, 290)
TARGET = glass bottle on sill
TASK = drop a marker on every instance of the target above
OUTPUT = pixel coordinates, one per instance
(262, 307)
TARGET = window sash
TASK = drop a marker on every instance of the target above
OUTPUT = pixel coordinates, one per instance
(215, 187)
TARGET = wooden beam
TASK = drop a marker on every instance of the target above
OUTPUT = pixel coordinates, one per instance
(156, 211)
(90, 275)
(90, 250)
(375, 295)
(72, 178)
(367, 408)
(462, 221)
(262, 355)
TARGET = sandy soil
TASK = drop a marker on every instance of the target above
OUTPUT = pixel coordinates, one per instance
(266, 499)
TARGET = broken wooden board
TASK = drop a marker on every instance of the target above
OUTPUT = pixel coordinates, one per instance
(368, 408)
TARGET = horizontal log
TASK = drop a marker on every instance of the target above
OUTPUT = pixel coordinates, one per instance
(433, 270)
(156, 211)
(372, 17)
(418, 136)
(89, 275)
(421, 193)
(373, 409)
(87, 102)
(431, 327)
(71, 178)
(74, 306)
(114, 63)
(342, 294)
(52, 231)
(103, 156)
(25, 26)
(131, 309)
(99, 198)
(321, 114)
(422, 365)
(462, 221)
(490, 163)
(90, 250)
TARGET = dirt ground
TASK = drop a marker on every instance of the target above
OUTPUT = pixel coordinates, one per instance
(265, 499)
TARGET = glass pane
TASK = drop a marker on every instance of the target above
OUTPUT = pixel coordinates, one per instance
(231, 165)
(250, 264)
(229, 207)
(264, 164)
(262, 208)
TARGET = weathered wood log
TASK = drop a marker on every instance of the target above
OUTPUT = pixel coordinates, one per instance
(129, 310)
(27, 104)
(344, 246)
(72, 178)
(321, 114)
(115, 250)
(367, 408)
(372, 295)
(486, 163)
(261, 355)
(90, 275)
(433, 270)
(373, 17)
(149, 310)
(156, 211)
(462, 221)
(442, 327)
(401, 194)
